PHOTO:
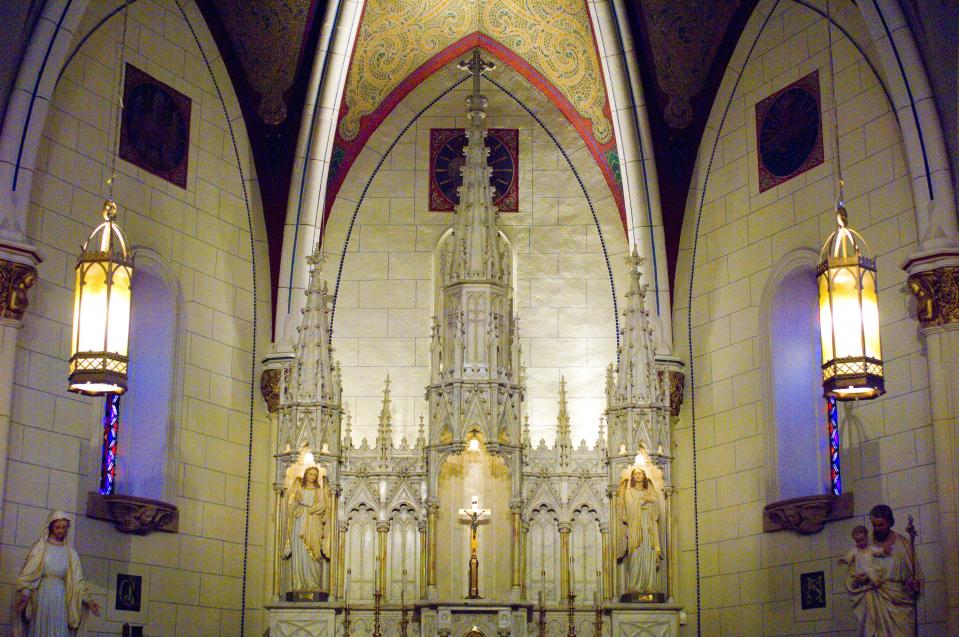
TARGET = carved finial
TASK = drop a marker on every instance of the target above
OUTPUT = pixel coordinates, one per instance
(564, 443)
(421, 433)
(348, 435)
(634, 261)
(384, 429)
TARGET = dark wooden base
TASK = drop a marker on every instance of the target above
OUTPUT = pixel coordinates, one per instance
(645, 598)
(307, 596)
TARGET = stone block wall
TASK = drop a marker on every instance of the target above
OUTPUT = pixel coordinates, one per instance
(749, 580)
(191, 580)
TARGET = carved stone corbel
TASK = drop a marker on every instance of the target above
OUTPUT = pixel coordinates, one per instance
(808, 514)
(677, 384)
(937, 296)
(270, 388)
(131, 514)
(16, 279)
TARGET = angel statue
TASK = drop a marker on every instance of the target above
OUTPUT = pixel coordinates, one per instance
(637, 540)
(309, 530)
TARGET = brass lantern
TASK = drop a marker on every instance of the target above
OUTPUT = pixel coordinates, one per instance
(101, 311)
(849, 316)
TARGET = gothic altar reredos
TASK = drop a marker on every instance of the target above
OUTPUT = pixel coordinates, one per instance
(470, 529)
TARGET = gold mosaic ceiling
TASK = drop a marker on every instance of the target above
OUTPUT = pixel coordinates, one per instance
(553, 36)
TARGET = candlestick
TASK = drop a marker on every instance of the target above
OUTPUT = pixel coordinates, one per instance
(346, 587)
(572, 574)
(403, 591)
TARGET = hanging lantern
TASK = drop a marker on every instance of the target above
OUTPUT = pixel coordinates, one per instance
(849, 316)
(101, 311)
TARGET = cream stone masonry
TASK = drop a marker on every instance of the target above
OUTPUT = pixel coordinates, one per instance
(192, 580)
(750, 580)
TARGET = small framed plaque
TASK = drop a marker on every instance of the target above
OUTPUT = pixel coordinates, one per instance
(129, 591)
(812, 589)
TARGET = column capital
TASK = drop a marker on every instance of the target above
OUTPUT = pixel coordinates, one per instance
(270, 388)
(18, 273)
(936, 289)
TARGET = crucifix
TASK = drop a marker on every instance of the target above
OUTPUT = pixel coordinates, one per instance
(476, 65)
(474, 516)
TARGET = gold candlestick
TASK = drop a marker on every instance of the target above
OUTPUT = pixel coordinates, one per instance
(572, 616)
(376, 614)
(346, 605)
(598, 622)
(542, 605)
(404, 622)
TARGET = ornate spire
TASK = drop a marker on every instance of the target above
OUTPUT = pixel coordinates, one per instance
(384, 430)
(474, 250)
(564, 441)
(636, 376)
(315, 378)
(421, 434)
(348, 436)
(601, 438)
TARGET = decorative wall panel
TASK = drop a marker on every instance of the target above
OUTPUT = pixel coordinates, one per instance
(789, 132)
(446, 161)
(155, 130)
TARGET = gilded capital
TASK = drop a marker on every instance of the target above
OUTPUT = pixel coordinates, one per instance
(937, 296)
(677, 382)
(15, 279)
(270, 388)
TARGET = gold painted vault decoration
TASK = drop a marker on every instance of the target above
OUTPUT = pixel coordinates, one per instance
(553, 36)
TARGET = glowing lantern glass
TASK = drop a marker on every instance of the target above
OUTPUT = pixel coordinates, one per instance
(849, 317)
(101, 311)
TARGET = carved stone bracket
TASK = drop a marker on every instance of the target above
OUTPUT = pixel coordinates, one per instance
(808, 514)
(131, 514)
(937, 296)
(270, 388)
(677, 384)
(15, 280)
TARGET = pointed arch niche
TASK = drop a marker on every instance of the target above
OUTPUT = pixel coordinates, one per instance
(797, 433)
(462, 476)
(797, 444)
(147, 436)
(146, 457)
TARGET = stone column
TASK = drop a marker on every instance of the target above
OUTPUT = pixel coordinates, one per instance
(274, 550)
(516, 549)
(341, 560)
(564, 530)
(17, 275)
(935, 283)
(382, 531)
(421, 526)
(606, 583)
(270, 390)
(432, 508)
(332, 581)
(524, 557)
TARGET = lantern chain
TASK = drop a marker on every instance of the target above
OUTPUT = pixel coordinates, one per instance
(840, 201)
(114, 133)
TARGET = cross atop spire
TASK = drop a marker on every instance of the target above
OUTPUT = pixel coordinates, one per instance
(476, 65)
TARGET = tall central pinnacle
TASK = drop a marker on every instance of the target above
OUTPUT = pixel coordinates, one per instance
(474, 253)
